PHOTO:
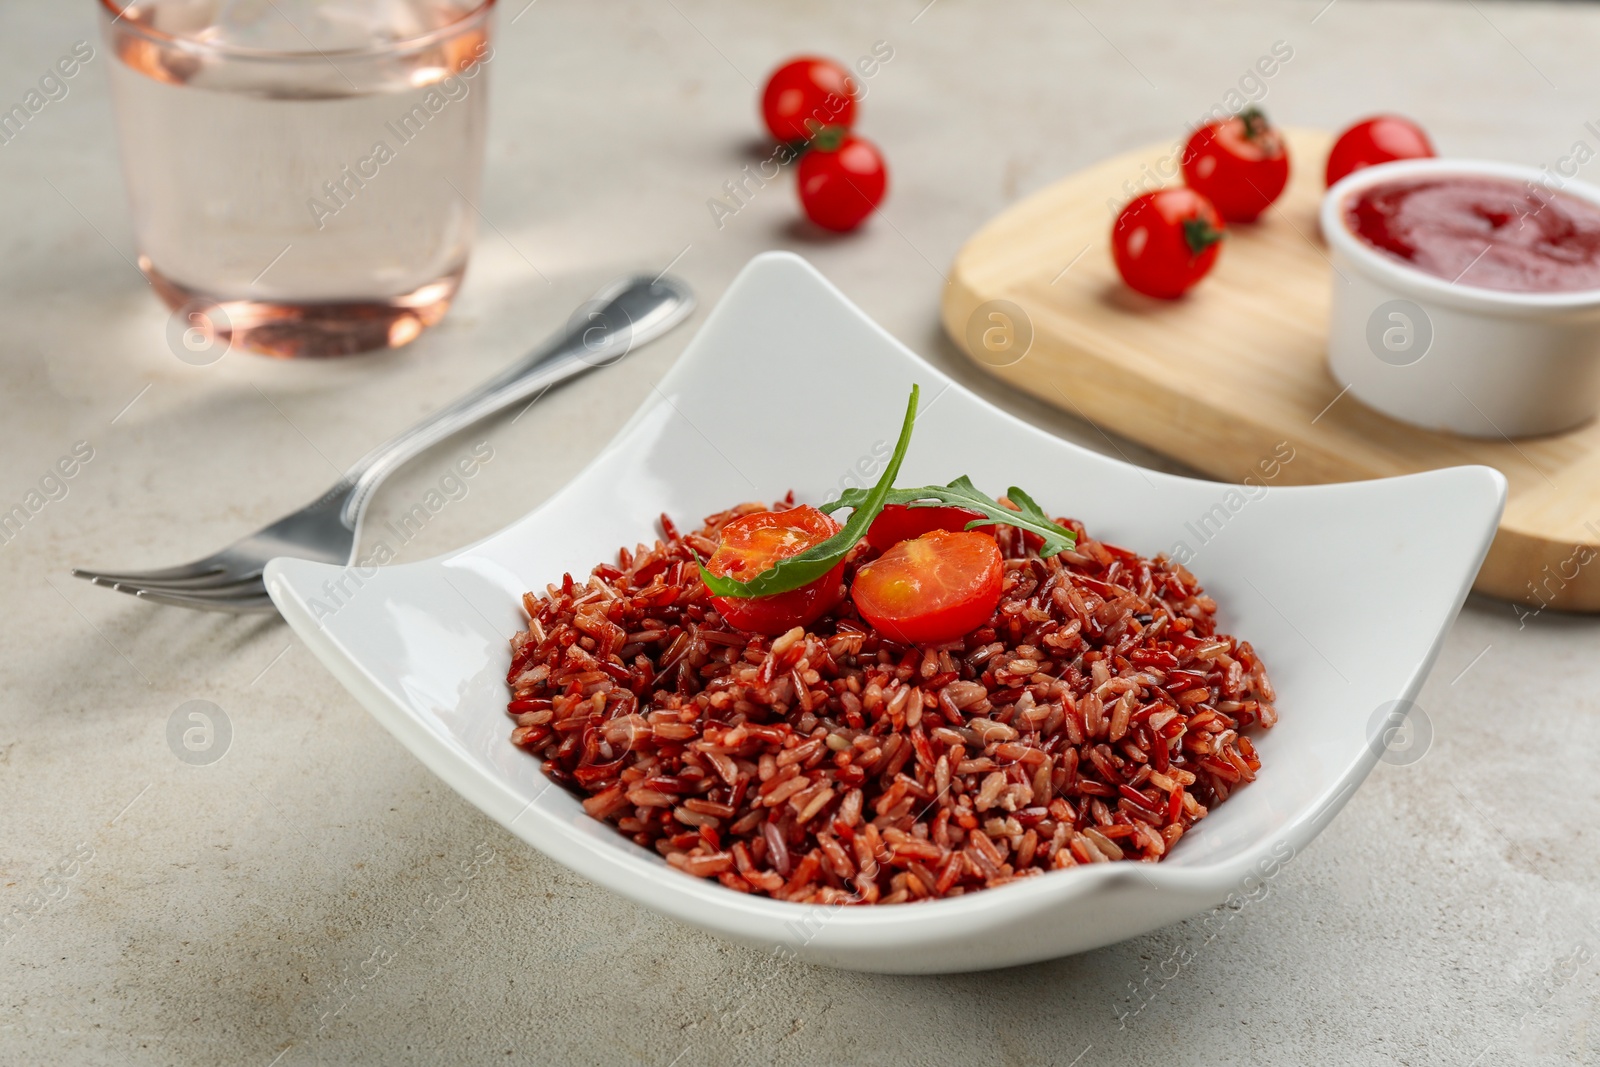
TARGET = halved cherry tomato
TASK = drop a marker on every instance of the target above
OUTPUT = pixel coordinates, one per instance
(902, 522)
(1240, 163)
(936, 588)
(752, 543)
(1376, 140)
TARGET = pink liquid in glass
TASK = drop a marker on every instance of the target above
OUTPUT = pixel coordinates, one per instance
(303, 173)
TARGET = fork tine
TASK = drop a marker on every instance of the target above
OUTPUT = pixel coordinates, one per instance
(232, 591)
(238, 605)
(188, 572)
(220, 584)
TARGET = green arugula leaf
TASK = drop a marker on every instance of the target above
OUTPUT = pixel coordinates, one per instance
(1039, 521)
(819, 559)
(962, 493)
(866, 504)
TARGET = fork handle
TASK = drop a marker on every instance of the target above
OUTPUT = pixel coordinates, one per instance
(626, 313)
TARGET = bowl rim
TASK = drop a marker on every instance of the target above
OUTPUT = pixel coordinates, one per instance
(1387, 269)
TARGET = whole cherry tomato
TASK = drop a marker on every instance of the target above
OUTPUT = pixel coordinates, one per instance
(1376, 140)
(806, 94)
(841, 187)
(1165, 241)
(936, 588)
(1240, 164)
(902, 522)
(752, 543)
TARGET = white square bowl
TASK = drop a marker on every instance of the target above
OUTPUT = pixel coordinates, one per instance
(1344, 590)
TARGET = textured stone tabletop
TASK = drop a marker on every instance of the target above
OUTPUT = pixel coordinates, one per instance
(316, 896)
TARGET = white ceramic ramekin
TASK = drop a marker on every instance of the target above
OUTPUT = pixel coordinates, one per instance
(1452, 356)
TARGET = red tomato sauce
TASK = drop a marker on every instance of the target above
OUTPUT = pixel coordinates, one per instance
(1485, 232)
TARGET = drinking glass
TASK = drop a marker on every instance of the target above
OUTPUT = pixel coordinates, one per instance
(303, 173)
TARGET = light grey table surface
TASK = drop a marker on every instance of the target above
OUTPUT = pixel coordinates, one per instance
(282, 906)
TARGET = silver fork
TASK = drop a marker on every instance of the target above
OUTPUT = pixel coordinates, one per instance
(626, 313)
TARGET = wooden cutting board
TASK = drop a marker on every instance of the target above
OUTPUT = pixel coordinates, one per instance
(1218, 379)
